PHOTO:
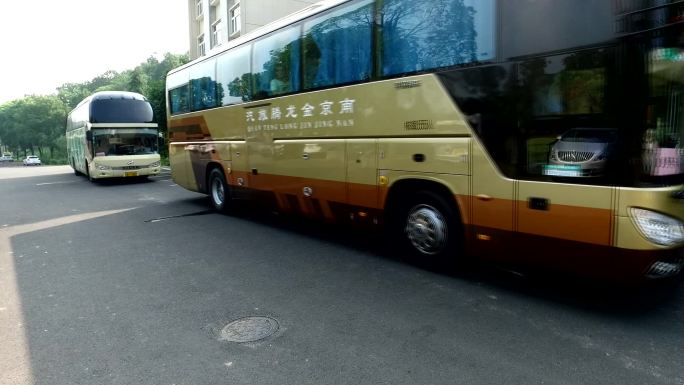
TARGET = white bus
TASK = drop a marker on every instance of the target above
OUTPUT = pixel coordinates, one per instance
(112, 134)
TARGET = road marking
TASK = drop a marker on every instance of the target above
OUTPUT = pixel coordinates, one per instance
(46, 183)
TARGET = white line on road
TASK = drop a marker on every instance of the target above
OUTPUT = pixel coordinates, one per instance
(46, 183)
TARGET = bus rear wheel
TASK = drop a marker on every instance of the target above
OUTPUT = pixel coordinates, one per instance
(430, 229)
(218, 191)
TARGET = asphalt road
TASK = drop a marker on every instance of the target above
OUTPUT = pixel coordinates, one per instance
(140, 283)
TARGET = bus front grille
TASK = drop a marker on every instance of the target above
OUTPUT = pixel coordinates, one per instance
(575, 156)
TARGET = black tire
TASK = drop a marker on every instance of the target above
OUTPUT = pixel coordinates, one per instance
(430, 229)
(87, 174)
(73, 165)
(219, 193)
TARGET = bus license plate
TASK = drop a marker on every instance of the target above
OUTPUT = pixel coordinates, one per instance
(131, 173)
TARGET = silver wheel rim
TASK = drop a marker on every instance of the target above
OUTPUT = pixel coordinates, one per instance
(217, 192)
(426, 229)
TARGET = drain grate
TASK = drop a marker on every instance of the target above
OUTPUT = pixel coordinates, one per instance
(249, 329)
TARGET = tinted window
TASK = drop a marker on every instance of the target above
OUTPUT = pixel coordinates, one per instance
(123, 141)
(534, 26)
(420, 35)
(662, 141)
(233, 75)
(178, 100)
(337, 46)
(560, 93)
(519, 109)
(571, 84)
(179, 92)
(120, 111)
(589, 136)
(276, 63)
(203, 91)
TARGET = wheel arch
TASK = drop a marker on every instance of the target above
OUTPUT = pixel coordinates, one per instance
(207, 171)
(404, 194)
(221, 166)
(403, 188)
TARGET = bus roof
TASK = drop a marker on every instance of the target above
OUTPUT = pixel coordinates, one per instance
(113, 107)
(266, 29)
(109, 95)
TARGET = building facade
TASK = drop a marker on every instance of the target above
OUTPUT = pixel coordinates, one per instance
(215, 22)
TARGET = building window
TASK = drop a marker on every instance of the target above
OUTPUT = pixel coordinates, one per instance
(201, 49)
(235, 19)
(216, 33)
(198, 7)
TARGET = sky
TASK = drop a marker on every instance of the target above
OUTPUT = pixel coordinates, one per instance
(47, 43)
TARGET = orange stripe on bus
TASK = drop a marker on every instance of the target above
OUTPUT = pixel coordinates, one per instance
(573, 223)
(495, 213)
(587, 225)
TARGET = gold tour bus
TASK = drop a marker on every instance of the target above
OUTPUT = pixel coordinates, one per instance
(541, 133)
(112, 134)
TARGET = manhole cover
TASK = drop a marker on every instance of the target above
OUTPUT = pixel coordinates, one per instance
(249, 329)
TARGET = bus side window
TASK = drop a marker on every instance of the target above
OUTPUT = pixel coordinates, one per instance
(337, 46)
(203, 89)
(276, 63)
(233, 76)
(178, 100)
(566, 115)
(178, 87)
(460, 32)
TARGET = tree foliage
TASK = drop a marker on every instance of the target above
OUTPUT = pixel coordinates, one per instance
(35, 123)
(32, 124)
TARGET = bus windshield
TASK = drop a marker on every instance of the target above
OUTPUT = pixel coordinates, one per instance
(115, 142)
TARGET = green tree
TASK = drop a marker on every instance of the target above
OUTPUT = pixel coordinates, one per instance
(72, 93)
(155, 88)
(35, 123)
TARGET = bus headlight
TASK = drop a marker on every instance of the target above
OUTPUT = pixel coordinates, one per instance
(155, 164)
(102, 167)
(658, 228)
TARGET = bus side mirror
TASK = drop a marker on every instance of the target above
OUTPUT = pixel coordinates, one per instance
(89, 135)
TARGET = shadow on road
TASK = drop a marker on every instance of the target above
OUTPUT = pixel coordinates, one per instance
(609, 298)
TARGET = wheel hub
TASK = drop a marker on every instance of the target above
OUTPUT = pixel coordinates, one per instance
(426, 229)
(217, 191)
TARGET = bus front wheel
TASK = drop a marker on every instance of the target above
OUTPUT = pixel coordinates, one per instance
(87, 169)
(73, 165)
(429, 227)
(218, 191)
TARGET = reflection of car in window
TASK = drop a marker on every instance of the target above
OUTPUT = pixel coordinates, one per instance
(581, 152)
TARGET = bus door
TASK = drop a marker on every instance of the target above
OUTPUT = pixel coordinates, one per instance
(362, 170)
(492, 208)
(304, 174)
(238, 177)
(563, 214)
(559, 224)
